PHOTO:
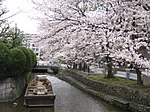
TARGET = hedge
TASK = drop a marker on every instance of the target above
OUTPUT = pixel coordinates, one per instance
(28, 65)
(33, 57)
(5, 60)
(18, 62)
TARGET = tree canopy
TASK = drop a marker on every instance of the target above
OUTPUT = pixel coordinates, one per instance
(12, 36)
(94, 30)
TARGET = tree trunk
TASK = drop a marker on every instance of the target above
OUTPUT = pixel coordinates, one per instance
(99, 64)
(110, 74)
(139, 78)
(74, 66)
(84, 67)
(109, 67)
(88, 69)
(80, 66)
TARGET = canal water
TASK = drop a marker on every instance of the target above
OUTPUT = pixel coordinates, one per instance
(68, 99)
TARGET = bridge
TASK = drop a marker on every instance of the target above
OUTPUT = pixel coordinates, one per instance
(45, 69)
(41, 69)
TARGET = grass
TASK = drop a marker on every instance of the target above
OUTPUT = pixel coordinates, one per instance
(120, 81)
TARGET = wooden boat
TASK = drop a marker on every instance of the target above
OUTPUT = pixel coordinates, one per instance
(39, 92)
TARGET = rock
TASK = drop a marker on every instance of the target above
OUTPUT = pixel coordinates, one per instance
(15, 104)
(146, 80)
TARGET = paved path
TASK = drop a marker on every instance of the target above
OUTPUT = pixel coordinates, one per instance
(132, 76)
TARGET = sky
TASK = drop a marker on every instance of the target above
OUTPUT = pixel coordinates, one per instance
(24, 19)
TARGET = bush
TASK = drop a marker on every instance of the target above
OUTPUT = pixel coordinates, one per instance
(5, 60)
(34, 61)
(28, 77)
(28, 65)
(18, 62)
(55, 69)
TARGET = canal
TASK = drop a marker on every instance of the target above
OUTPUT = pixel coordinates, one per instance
(68, 99)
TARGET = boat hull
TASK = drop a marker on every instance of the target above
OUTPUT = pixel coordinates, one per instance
(39, 92)
(34, 101)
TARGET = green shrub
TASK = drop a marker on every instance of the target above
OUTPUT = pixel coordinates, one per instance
(28, 77)
(55, 69)
(28, 65)
(34, 61)
(18, 62)
(5, 60)
(1, 40)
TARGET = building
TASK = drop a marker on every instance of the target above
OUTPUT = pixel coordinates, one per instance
(28, 42)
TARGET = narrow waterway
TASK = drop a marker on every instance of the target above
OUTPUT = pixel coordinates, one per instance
(68, 99)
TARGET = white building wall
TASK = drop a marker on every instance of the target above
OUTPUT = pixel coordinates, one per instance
(28, 42)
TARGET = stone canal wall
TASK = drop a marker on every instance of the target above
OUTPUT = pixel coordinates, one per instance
(12, 88)
(138, 101)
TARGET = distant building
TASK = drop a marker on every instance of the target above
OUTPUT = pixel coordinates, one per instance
(28, 42)
(36, 50)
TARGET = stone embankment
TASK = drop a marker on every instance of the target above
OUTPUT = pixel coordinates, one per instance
(121, 96)
(12, 88)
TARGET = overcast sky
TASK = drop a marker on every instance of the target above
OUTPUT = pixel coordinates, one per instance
(23, 19)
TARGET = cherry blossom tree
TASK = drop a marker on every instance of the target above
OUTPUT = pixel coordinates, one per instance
(80, 21)
(64, 23)
(134, 22)
(87, 31)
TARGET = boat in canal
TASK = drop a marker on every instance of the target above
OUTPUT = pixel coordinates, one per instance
(39, 92)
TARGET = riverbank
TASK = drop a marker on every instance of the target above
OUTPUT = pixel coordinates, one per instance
(129, 99)
(68, 99)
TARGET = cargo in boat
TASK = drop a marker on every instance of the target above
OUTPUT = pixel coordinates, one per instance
(39, 92)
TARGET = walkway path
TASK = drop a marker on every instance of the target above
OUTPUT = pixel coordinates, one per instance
(132, 76)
